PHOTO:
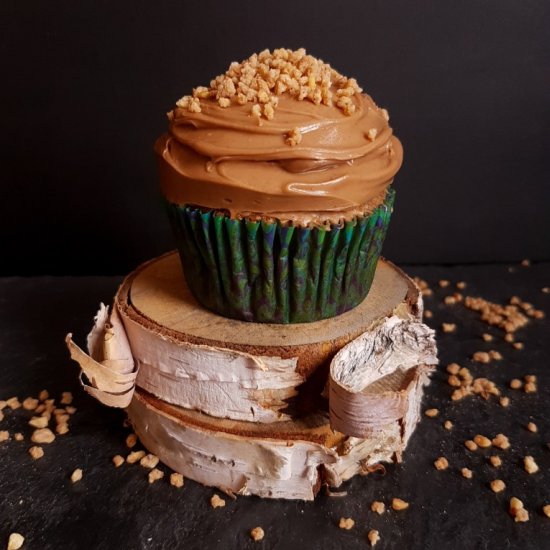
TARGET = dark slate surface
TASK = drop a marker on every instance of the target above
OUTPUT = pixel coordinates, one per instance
(117, 509)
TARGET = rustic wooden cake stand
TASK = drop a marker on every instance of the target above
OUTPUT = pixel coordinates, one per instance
(245, 406)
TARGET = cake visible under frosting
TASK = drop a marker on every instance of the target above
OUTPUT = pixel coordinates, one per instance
(319, 150)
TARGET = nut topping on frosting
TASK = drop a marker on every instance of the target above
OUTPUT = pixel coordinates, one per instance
(263, 77)
(282, 135)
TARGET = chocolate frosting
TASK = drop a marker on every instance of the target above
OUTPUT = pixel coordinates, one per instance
(223, 158)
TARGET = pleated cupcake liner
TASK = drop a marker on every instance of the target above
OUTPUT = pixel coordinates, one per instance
(269, 272)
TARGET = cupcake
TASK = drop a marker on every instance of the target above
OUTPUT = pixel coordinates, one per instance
(277, 180)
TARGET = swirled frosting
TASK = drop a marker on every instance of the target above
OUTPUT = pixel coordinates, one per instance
(226, 158)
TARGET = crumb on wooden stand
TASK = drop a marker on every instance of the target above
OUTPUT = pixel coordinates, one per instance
(399, 504)
(346, 523)
(448, 425)
(378, 507)
(76, 476)
(176, 480)
(131, 441)
(15, 541)
(487, 337)
(470, 445)
(532, 427)
(467, 473)
(4, 435)
(257, 533)
(373, 536)
(516, 384)
(441, 463)
(546, 510)
(431, 413)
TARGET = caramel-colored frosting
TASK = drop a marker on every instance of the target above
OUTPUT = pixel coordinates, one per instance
(225, 158)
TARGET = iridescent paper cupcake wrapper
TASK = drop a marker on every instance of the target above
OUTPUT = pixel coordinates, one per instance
(269, 272)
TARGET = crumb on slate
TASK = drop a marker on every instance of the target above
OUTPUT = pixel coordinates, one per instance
(15, 541)
(378, 507)
(155, 474)
(43, 435)
(346, 523)
(135, 456)
(217, 502)
(76, 475)
(257, 534)
(36, 452)
(497, 485)
(517, 510)
(118, 460)
(373, 536)
(495, 461)
(501, 441)
(149, 461)
(176, 480)
(482, 441)
(399, 504)
(531, 467)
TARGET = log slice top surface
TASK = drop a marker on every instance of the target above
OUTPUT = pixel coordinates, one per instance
(158, 292)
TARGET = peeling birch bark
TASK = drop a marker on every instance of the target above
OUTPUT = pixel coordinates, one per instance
(108, 365)
(379, 376)
(220, 382)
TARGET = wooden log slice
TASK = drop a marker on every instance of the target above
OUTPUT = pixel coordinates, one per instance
(192, 357)
(157, 296)
(283, 460)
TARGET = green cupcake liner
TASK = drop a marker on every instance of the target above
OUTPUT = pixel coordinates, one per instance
(275, 273)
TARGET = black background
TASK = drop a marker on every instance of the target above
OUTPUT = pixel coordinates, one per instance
(86, 85)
